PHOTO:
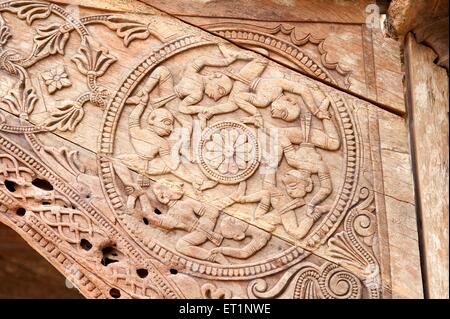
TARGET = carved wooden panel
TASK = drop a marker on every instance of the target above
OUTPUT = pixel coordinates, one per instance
(144, 157)
(343, 45)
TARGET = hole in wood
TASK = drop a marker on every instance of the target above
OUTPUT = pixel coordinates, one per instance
(157, 211)
(173, 271)
(145, 220)
(42, 184)
(10, 185)
(85, 244)
(114, 292)
(109, 254)
(142, 272)
(20, 211)
(436, 61)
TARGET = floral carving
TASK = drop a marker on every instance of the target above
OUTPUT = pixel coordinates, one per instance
(31, 10)
(93, 60)
(228, 151)
(56, 79)
(127, 29)
(69, 115)
(21, 99)
(51, 39)
(65, 117)
(5, 33)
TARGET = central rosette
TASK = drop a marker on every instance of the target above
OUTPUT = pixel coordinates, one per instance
(228, 152)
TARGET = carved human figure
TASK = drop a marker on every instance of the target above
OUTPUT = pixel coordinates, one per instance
(190, 90)
(194, 85)
(289, 110)
(152, 150)
(233, 228)
(298, 184)
(305, 159)
(263, 92)
(306, 156)
(267, 91)
(245, 80)
(194, 217)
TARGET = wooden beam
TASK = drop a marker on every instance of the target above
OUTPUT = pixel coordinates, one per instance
(428, 114)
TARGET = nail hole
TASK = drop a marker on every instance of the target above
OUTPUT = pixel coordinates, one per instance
(46, 203)
(173, 271)
(142, 272)
(114, 292)
(145, 220)
(42, 184)
(85, 244)
(157, 211)
(108, 256)
(10, 185)
(21, 211)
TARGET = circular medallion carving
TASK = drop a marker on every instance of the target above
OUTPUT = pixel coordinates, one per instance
(228, 152)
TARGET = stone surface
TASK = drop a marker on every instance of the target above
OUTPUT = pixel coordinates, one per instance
(147, 158)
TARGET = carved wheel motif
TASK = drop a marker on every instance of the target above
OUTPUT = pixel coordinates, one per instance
(228, 152)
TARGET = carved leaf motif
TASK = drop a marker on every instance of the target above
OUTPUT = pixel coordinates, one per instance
(341, 248)
(5, 33)
(31, 10)
(21, 99)
(8, 59)
(92, 59)
(50, 39)
(127, 29)
(66, 117)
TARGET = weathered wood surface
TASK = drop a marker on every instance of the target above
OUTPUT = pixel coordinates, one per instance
(428, 111)
(345, 42)
(144, 157)
(343, 45)
(426, 19)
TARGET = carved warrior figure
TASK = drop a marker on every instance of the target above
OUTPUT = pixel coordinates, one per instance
(232, 228)
(199, 220)
(307, 161)
(193, 85)
(244, 81)
(257, 92)
(153, 155)
(150, 142)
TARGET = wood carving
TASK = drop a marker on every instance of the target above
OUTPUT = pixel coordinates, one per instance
(289, 49)
(217, 173)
